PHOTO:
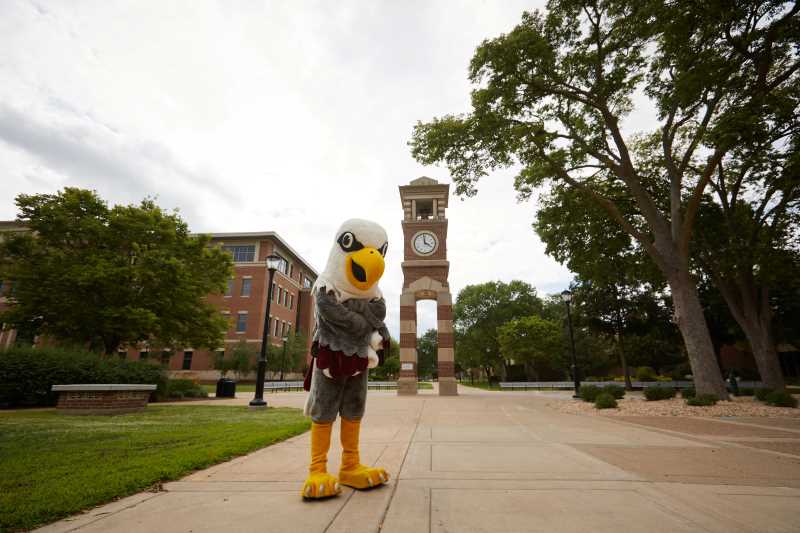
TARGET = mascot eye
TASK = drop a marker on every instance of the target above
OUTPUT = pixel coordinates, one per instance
(348, 242)
(384, 248)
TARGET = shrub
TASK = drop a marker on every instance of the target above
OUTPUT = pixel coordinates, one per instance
(746, 391)
(688, 393)
(663, 378)
(761, 394)
(589, 393)
(703, 400)
(28, 374)
(645, 373)
(781, 398)
(605, 401)
(614, 390)
(653, 394)
(180, 388)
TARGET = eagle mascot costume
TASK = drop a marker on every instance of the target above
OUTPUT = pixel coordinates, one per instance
(350, 337)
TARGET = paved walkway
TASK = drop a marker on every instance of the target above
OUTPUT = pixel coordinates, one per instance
(491, 461)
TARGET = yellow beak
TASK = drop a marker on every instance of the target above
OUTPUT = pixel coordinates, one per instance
(364, 268)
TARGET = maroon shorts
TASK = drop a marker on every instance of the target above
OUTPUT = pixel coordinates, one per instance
(337, 363)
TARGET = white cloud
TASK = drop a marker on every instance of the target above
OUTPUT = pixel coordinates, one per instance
(284, 116)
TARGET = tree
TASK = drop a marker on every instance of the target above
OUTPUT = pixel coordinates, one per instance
(390, 368)
(243, 359)
(426, 353)
(289, 356)
(104, 277)
(533, 341)
(478, 312)
(553, 93)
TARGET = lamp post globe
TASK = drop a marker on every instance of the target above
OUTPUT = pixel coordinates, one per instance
(272, 262)
(567, 297)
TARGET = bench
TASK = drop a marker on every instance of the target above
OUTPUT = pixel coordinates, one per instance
(102, 399)
(382, 385)
(283, 386)
(565, 385)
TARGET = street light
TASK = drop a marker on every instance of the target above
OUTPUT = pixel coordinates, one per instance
(567, 297)
(273, 261)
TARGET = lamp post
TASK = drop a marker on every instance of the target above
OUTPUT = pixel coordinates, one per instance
(567, 297)
(273, 261)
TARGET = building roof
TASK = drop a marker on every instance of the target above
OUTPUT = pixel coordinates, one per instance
(265, 235)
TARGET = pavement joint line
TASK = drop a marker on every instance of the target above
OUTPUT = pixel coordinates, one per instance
(400, 468)
(752, 424)
(103, 516)
(697, 438)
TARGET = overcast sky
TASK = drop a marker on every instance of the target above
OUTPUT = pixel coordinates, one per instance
(288, 116)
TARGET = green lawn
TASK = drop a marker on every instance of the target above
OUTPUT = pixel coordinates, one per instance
(480, 385)
(422, 385)
(55, 465)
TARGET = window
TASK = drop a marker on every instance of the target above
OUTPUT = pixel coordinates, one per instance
(285, 297)
(283, 265)
(284, 329)
(166, 355)
(122, 354)
(247, 285)
(143, 355)
(291, 271)
(241, 322)
(274, 290)
(280, 294)
(291, 300)
(187, 360)
(307, 283)
(242, 253)
(219, 355)
(229, 288)
(289, 329)
(277, 325)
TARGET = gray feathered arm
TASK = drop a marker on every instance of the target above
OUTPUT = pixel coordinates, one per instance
(336, 314)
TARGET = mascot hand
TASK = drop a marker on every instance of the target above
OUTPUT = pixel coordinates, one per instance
(321, 485)
(376, 341)
(372, 357)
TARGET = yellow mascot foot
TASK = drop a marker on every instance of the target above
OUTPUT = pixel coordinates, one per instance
(321, 485)
(363, 477)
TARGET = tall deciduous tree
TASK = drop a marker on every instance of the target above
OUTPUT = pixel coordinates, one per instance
(104, 277)
(426, 353)
(478, 312)
(553, 93)
(532, 341)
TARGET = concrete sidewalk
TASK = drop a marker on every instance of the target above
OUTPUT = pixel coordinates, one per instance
(494, 461)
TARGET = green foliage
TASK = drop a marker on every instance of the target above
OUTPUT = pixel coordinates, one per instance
(703, 400)
(688, 393)
(55, 466)
(28, 374)
(426, 354)
(390, 369)
(605, 401)
(616, 391)
(477, 314)
(645, 373)
(533, 341)
(104, 277)
(659, 393)
(762, 393)
(781, 398)
(180, 388)
(286, 357)
(746, 391)
(589, 393)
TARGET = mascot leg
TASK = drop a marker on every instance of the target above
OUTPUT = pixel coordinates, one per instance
(352, 473)
(320, 484)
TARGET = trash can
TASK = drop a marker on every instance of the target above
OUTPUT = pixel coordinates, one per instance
(226, 388)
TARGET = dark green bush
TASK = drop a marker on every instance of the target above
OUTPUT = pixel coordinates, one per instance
(181, 388)
(653, 394)
(589, 393)
(688, 393)
(703, 400)
(605, 401)
(615, 390)
(781, 398)
(28, 374)
(761, 394)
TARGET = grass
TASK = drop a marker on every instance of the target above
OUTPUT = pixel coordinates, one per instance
(55, 465)
(480, 385)
(422, 385)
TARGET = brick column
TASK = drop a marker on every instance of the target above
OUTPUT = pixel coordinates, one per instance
(445, 343)
(407, 382)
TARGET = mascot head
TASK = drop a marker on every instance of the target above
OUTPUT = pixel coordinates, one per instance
(355, 263)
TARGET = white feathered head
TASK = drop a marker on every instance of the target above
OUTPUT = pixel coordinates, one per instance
(355, 263)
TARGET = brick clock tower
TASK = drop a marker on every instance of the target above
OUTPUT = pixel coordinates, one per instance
(425, 270)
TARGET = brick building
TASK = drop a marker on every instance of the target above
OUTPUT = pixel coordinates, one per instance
(245, 299)
(244, 302)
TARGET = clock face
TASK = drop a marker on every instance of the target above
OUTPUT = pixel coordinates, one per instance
(425, 243)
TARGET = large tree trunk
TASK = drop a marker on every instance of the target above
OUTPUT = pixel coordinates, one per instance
(752, 312)
(692, 324)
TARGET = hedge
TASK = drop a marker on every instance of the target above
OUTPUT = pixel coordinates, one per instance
(28, 374)
(653, 394)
